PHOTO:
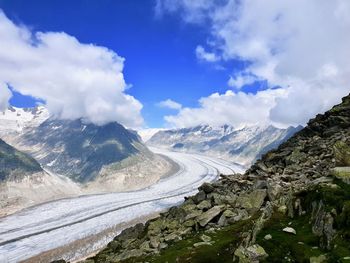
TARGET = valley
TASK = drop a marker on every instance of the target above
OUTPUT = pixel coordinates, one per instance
(30, 232)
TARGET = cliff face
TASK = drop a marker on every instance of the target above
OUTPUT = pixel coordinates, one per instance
(293, 205)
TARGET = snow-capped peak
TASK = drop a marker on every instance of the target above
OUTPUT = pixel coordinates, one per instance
(15, 119)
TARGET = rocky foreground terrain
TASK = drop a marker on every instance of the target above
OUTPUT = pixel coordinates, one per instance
(293, 205)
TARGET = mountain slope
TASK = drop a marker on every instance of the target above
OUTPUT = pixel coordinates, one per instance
(15, 164)
(240, 145)
(23, 182)
(292, 205)
(79, 150)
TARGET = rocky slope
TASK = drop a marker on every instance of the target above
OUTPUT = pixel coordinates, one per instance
(14, 164)
(23, 182)
(243, 145)
(292, 205)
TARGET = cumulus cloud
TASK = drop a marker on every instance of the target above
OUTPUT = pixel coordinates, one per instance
(206, 56)
(240, 80)
(75, 80)
(170, 104)
(229, 108)
(5, 95)
(300, 46)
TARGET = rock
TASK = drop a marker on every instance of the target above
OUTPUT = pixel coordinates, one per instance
(205, 238)
(155, 227)
(268, 237)
(282, 209)
(172, 237)
(229, 213)
(126, 254)
(207, 216)
(274, 191)
(145, 246)
(154, 242)
(207, 188)
(204, 205)
(194, 214)
(199, 197)
(319, 259)
(199, 244)
(222, 221)
(189, 223)
(289, 230)
(252, 201)
(134, 232)
(260, 184)
(241, 215)
(323, 224)
(342, 173)
(251, 254)
(177, 212)
(163, 245)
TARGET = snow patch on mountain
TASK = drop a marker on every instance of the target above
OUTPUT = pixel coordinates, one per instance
(14, 120)
(242, 145)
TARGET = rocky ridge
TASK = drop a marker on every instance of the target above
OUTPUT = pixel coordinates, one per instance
(292, 205)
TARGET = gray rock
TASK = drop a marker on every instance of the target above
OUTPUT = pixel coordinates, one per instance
(205, 238)
(199, 244)
(199, 197)
(204, 205)
(268, 237)
(251, 254)
(252, 201)
(207, 216)
(207, 188)
(289, 230)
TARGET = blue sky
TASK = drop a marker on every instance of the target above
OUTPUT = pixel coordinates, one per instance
(160, 52)
(220, 62)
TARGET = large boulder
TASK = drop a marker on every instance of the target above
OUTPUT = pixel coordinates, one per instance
(209, 215)
(252, 201)
(207, 188)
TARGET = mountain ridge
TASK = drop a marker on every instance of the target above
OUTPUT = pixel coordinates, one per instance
(243, 145)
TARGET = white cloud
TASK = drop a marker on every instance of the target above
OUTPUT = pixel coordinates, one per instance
(75, 80)
(194, 11)
(228, 108)
(301, 46)
(206, 56)
(241, 80)
(170, 104)
(5, 95)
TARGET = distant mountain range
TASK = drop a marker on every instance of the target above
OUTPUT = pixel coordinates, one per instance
(243, 145)
(43, 158)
